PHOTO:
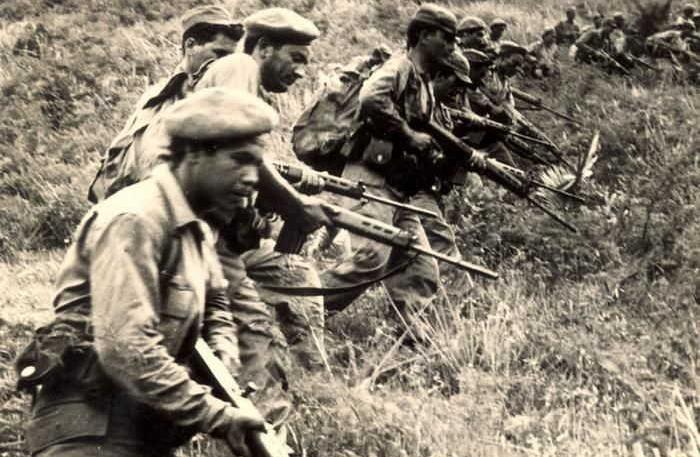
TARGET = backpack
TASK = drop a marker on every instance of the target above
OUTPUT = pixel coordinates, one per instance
(331, 119)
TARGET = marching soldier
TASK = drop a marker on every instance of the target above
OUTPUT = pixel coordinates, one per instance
(136, 285)
(208, 33)
(389, 155)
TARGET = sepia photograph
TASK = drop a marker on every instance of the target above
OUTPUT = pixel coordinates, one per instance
(349, 228)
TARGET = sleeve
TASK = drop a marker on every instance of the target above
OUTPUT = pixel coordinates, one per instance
(219, 328)
(125, 284)
(379, 96)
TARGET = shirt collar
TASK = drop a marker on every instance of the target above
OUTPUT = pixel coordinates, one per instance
(176, 82)
(174, 197)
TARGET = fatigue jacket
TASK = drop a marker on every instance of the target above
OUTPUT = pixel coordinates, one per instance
(120, 165)
(567, 32)
(396, 96)
(133, 387)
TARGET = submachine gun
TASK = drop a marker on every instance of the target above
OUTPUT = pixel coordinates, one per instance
(261, 443)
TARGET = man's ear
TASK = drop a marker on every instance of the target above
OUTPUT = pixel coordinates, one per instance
(265, 47)
(189, 44)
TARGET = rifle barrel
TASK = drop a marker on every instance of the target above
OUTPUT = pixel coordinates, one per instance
(482, 271)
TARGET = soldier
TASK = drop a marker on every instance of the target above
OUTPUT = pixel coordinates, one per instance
(450, 84)
(390, 155)
(275, 53)
(136, 285)
(595, 40)
(567, 31)
(686, 15)
(498, 27)
(208, 33)
(546, 54)
(597, 23)
(472, 34)
(262, 341)
(675, 46)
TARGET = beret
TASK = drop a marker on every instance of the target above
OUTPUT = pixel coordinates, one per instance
(471, 23)
(548, 30)
(459, 65)
(618, 14)
(218, 114)
(498, 21)
(208, 14)
(571, 9)
(511, 47)
(382, 51)
(281, 24)
(476, 57)
(435, 16)
(688, 6)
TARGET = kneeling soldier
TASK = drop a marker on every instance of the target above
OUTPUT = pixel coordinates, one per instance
(143, 282)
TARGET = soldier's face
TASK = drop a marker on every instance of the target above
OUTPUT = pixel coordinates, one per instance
(548, 39)
(223, 181)
(570, 15)
(438, 44)
(196, 54)
(282, 66)
(498, 31)
(475, 39)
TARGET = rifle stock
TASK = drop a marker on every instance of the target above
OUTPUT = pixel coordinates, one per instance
(261, 443)
(378, 231)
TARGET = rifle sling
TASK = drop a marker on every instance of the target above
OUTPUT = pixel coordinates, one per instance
(327, 291)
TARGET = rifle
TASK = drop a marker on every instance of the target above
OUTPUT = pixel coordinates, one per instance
(290, 240)
(495, 171)
(641, 62)
(689, 54)
(536, 131)
(474, 120)
(610, 60)
(261, 443)
(346, 188)
(531, 99)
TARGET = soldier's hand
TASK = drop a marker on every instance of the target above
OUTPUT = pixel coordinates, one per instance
(478, 160)
(241, 424)
(310, 183)
(419, 141)
(312, 214)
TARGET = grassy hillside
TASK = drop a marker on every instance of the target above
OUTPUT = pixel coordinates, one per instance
(588, 345)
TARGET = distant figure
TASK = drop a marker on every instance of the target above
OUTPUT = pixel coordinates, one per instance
(498, 27)
(618, 37)
(687, 14)
(567, 31)
(546, 54)
(597, 23)
(594, 41)
(671, 44)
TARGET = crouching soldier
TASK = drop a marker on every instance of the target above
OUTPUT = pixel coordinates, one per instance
(140, 284)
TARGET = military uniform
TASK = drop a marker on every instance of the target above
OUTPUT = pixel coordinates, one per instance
(396, 96)
(144, 276)
(546, 57)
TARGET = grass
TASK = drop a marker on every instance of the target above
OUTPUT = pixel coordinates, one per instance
(588, 345)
